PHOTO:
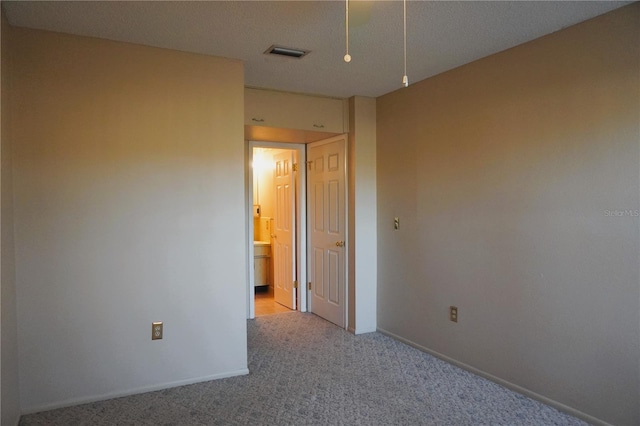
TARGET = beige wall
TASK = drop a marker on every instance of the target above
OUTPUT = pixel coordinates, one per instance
(504, 174)
(9, 402)
(129, 209)
(362, 238)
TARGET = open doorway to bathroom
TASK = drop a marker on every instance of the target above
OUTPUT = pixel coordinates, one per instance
(276, 228)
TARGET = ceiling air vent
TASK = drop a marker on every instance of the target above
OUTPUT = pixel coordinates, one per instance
(286, 51)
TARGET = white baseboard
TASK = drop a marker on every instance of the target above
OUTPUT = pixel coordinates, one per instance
(362, 330)
(85, 400)
(533, 395)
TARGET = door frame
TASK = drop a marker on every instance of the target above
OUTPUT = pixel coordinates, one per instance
(301, 221)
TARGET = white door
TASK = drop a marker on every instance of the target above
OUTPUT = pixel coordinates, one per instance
(283, 246)
(327, 228)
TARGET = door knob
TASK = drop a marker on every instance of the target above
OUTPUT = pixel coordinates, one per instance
(339, 243)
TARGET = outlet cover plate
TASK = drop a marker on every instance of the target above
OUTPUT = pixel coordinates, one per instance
(156, 330)
(453, 313)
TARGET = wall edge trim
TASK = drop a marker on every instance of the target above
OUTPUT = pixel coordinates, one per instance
(512, 386)
(111, 395)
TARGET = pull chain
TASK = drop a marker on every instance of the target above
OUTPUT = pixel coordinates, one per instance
(405, 79)
(347, 57)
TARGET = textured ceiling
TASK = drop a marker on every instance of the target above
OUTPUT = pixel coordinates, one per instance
(441, 34)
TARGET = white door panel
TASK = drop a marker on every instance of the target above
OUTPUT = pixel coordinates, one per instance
(327, 230)
(284, 232)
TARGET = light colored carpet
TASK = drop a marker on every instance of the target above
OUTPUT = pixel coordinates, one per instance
(306, 371)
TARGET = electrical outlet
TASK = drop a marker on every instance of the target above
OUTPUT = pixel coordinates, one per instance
(453, 313)
(156, 330)
(396, 223)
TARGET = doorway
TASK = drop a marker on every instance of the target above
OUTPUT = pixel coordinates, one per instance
(280, 180)
(277, 196)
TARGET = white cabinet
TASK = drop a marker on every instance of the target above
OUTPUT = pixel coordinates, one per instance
(262, 264)
(292, 111)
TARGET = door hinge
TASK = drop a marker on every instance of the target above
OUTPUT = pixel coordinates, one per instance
(309, 285)
(309, 163)
(295, 284)
(295, 167)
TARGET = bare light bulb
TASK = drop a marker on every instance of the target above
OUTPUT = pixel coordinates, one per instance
(347, 58)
